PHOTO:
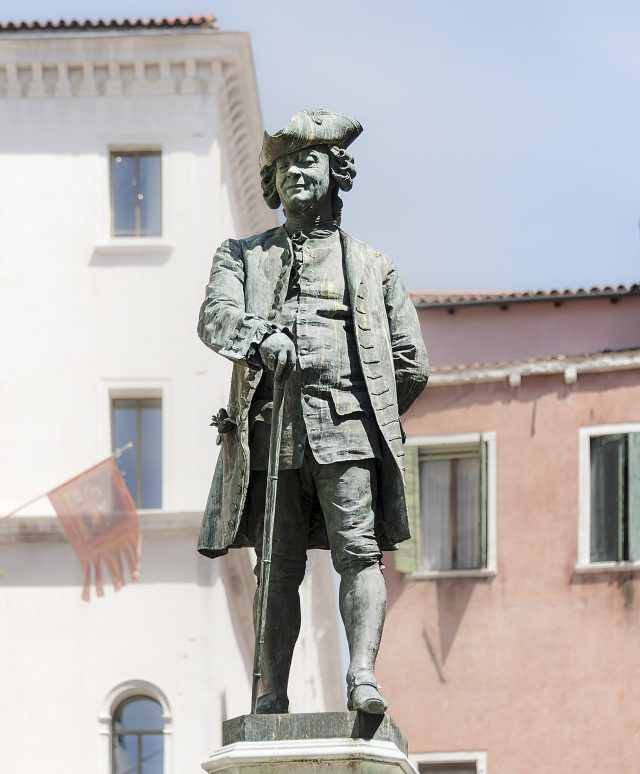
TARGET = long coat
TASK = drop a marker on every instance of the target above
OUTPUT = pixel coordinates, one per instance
(246, 290)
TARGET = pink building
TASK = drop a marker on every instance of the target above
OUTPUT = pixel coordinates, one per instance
(512, 642)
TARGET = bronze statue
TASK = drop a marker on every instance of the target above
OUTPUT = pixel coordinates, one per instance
(308, 303)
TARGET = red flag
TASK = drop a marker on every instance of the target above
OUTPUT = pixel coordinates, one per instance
(101, 522)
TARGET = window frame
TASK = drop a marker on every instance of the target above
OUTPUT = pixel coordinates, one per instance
(114, 699)
(109, 247)
(136, 152)
(490, 438)
(584, 565)
(479, 757)
(139, 401)
(138, 733)
(140, 388)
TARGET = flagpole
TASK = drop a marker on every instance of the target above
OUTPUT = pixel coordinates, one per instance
(114, 455)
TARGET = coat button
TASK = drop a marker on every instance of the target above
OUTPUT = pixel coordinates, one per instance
(272, 315)
(231, 524)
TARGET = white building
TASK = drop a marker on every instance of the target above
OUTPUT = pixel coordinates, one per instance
(128, 152)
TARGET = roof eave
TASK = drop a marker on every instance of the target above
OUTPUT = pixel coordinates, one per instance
(504, 301)
(205, 22)
(570, 366)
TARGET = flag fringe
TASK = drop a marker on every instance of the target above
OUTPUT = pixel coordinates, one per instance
(130, 549)
(86, 581)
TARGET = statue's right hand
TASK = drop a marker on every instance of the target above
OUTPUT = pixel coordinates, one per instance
(278, 353)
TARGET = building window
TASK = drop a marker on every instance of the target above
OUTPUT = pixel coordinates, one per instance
(453, 505)
(614, 529)
(450, 496)
(137, 737)
(139, 421)
(136, 193)
(452, 763)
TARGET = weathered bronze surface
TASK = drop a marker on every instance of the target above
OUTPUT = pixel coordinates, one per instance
(313, 725)
(308, 302)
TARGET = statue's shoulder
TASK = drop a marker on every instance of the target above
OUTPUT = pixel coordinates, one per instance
(357, 244)
(263, 240)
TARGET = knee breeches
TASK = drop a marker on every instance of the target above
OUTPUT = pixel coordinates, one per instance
(346, 492)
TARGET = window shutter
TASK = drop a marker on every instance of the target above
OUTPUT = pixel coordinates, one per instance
(607, 497)
(450, 451)
(483, 503)
(633, 503)
(409, 554)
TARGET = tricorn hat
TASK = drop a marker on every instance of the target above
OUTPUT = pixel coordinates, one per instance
(307, 128)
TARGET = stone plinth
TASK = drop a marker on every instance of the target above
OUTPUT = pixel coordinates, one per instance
(320, 741)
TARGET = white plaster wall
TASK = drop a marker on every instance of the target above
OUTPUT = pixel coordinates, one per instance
(76, 322)
(78, 319)
(61, 657)
(75, 319)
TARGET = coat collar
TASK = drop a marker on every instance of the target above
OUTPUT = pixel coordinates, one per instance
(279, 243)
(280, 251)
(355, 263)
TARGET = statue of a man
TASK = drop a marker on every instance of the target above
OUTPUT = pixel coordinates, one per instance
(312, 303)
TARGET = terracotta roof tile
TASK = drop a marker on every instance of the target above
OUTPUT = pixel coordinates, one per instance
(205, 20)
(452, 298)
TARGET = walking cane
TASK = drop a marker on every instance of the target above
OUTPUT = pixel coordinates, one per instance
(267, 537)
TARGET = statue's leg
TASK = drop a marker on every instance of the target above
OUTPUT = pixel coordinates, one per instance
(363, 601)
(288, 562)
(347, 495)
(281, 633)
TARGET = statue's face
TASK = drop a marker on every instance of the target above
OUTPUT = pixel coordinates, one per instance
(303, 180)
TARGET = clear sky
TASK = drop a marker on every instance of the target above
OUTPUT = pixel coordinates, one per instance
(502, 139)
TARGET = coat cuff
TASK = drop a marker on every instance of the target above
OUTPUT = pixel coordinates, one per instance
(408, 390)
(243, 344)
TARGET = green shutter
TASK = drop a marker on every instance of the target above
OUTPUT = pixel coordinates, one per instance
(633, 500)
(451, 451)
(409, 554)
(483, 502)
(607, 497)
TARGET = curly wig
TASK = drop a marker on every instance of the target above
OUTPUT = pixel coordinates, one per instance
(341, 168)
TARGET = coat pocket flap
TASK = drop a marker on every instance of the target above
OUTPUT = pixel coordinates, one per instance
(346, 403)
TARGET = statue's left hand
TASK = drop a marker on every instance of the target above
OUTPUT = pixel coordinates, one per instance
(278, 353)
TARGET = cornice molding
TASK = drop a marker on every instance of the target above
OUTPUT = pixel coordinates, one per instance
(242, 143)
(117, 77)
(570, 367)
(47, 529)
(185, 63)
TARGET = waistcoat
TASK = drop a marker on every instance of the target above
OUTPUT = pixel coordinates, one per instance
(326, 401)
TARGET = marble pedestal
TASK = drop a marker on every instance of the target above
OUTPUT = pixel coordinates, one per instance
(346, 742)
